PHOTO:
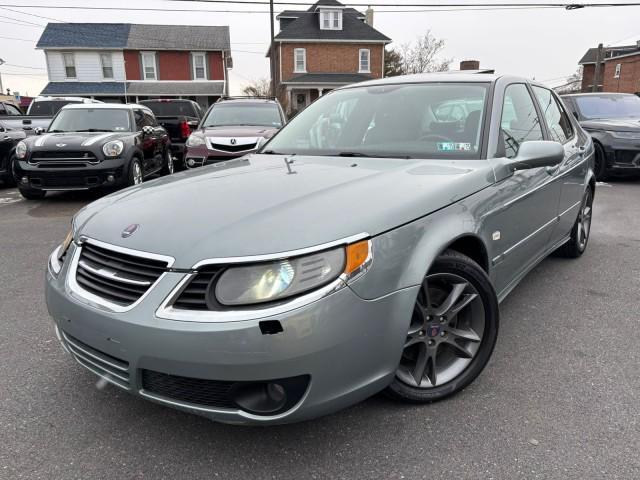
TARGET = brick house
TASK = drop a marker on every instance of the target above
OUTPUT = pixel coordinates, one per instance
(121, 62)
(619, 70)
(322, 48)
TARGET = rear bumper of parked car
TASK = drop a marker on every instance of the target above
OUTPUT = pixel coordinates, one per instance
(330, 354)
(106, 173)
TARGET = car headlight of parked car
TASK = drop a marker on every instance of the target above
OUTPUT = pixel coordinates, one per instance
(57, 257)
(626, 135)
(21, 150)
(113, 148)
(195, 141)
(277, 280)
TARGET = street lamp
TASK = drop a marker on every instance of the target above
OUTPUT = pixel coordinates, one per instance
(1, 89)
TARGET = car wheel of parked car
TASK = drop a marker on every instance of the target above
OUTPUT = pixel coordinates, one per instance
(452, 333)
(32, 194)
(9, 180)
(135, 172)
(169, 166)
(600, 168)
(577, 244)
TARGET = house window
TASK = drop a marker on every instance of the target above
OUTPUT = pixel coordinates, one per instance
(365, 61)
(617, 72)
(149, 66)
(107, 65)
(300, 60)
(69, 65)
(331, 19)
(199, 66)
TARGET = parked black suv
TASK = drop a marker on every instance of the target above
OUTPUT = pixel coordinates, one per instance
(179, 118)
(613, 121)
(93, 146)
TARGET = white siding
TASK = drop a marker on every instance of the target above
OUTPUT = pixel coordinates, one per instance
(88, 66)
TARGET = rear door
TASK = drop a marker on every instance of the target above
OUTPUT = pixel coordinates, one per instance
(526, 203)
(571, 173)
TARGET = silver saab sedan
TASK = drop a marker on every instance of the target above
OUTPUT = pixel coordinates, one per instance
(366, 247)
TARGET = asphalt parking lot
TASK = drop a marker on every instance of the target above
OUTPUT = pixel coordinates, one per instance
(559, 399)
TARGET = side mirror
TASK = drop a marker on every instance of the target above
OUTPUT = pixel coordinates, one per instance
(38, 130)
(536, 154)
(147, 130)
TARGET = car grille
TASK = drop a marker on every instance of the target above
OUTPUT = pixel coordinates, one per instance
(63, 156)
(210, 393)
(117, 277)
(194, 295)
(233, 148)
(107, 366)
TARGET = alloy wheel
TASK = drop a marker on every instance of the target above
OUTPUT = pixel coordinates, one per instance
(137, 174)
(170, 166)
(445, 334)
(584, 220)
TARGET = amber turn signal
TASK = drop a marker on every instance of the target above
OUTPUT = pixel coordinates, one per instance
(357, 255)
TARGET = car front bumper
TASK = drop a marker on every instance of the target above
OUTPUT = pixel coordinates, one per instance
(346, 346)
(622, 155)
(106, 173)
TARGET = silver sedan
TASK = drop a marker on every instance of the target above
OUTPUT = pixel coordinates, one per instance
(365, 248)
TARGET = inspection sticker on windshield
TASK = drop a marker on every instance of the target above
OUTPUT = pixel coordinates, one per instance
(453, 147)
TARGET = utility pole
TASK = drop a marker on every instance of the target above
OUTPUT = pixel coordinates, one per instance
(272, 54)
(597, 73)
(1, 89)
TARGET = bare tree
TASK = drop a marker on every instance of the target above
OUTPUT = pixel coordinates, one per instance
(258, 88)
(422, 57)
(393, 63)
(574, 83)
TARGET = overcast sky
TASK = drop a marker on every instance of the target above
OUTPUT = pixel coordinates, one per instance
(543, 43)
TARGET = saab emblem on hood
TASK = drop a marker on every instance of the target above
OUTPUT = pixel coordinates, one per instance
(130, 230)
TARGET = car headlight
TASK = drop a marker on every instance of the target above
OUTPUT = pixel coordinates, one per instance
(21, 150)
(113, 148)
(626, 135)
(195, 141)
(57, 257)
(277, 280)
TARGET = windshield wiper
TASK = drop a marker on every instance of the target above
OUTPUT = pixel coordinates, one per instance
(368, 155)
(273, 152)
(57, 131)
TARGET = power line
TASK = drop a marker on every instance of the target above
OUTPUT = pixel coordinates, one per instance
(23, 66)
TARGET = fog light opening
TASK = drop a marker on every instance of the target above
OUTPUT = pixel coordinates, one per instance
(110, 178)
(24, 180)
(191, 162)
(260, 398)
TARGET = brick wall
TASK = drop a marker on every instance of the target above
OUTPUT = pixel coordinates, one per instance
(216, 67)
(174, 65)
(629, 81)
(331, 58)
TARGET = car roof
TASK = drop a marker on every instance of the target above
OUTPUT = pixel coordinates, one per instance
(440, 77)
(599, 94)
(47, 98)
(246, 100)
(111, 106)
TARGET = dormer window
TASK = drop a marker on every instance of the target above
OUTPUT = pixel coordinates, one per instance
(331, 19)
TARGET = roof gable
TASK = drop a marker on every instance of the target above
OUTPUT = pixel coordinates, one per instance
(84, 35)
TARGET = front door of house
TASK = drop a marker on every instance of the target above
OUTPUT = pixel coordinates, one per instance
(300, 101)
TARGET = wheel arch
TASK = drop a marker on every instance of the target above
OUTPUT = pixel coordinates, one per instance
(472, 246)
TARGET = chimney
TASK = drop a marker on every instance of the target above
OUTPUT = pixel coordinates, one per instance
(469, 65)
(369, 16)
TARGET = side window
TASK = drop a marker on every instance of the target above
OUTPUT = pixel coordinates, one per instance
(11, 110)
(139, 118)
(520, 122)
(2, 110)
(557, 119)
(150, 120)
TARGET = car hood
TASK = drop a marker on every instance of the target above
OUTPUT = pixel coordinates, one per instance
(258, 205)
(613, 124)
(72, 140)
(239, 131)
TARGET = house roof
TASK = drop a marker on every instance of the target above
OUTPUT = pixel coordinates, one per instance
(134, 36)
(591, 55)
(329, 78)
(133, 88)
(307, 26)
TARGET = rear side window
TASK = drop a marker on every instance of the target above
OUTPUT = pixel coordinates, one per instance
(557, 119)
(520, 122)
(48, 107)
(172, 109)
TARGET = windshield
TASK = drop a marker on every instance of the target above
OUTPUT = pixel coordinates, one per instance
(429, 120)
(91, 120)
(171, 109)
(230, 114)
(48, 107)
(608, 106)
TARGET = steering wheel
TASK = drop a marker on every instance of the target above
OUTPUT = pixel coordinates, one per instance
(434, 137)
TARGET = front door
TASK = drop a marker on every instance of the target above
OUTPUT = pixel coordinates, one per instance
(527, 201)
(300, 100)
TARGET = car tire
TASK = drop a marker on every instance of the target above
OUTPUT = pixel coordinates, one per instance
(452, 333)
(135, 172)
(32, 194)
(9, 180)
(600, 165)
(579, 238)
(168, 167)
